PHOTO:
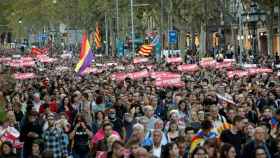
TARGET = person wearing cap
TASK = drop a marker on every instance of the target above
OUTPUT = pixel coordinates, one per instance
(54, 140)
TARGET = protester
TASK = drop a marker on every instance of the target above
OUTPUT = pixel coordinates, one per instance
(227, 151)
(7, 150)
(140, 110)
(54, 140)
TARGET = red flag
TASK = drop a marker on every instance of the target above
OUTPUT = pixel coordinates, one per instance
(83, 45)
(36, 51)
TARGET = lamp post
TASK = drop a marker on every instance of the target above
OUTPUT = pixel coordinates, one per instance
(132, 27)
(20, 31)
(253, 16)
(132, 23)
(240, 38)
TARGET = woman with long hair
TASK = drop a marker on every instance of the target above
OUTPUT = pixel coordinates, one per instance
(173, 131)
(227, 151)
(170, 150)
(7, 150)
(67, 108)
(98, 120)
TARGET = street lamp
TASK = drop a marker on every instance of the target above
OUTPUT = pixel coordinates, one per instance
(132, 27)
(253, 16)
(132, 22)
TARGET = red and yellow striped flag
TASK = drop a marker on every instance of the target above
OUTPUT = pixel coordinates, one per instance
(146, 49)
(97, 37)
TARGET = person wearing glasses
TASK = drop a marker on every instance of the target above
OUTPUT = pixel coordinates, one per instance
(199, 152)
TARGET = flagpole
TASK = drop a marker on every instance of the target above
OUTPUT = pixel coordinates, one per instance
(106, 34)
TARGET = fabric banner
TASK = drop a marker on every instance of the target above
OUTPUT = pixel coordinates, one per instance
(140, 60)
(138, 75)
(92, 70)
(164, 74)
(253, 71)
(21, 63)
(207, 63)
(173, 82)
(5, 59)
(174, 60)
(119, 76)
(23, 76)
(238, 73)
(188, 67)
(222, 65)
(46, 59)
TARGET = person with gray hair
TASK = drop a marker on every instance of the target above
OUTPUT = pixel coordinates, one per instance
(156, 147)
(139, 134)
(259, 141)
(149, 114)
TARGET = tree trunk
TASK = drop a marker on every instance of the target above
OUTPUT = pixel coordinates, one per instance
(203, 40)
(112, 38)
(270, 31)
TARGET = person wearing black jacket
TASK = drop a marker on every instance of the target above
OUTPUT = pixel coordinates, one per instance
(30, 130)
(235, 135)
(259, 141)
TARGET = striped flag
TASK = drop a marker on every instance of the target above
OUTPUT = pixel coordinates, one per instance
(97, 37)
(147, 49)
(86, 59)
(83, 44)
(200, 137)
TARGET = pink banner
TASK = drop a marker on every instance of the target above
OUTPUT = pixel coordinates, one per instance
(188, 67)
(207, 63)
(21, 63)
(250, 71)
(138, 75)
(26, 58)
(229, 60)
(253, 71)
(163, 74)
(23, 76)
(140, 60)
(239, 73)
(46, 59)
(174, 60)
(5, 59)
(221, 65)
(174, 82)
(92, 70)
(119, 76)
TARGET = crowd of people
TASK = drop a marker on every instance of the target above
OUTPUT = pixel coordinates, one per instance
(60, 114)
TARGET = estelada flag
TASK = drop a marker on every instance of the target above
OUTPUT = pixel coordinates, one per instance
(97, 37)
(146, 49)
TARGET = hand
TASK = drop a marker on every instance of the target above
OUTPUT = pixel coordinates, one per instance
(32, 135)
(83, 125)
(133, 110)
